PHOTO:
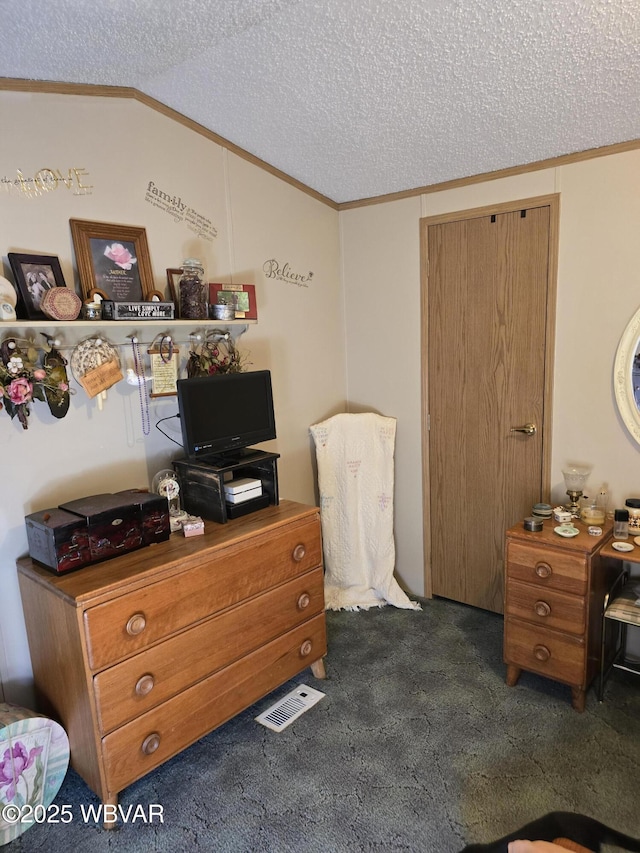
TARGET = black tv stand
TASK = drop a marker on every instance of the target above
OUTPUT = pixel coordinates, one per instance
(202, 482)
(233, 457)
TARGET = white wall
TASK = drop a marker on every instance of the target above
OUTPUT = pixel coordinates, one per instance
(598, 293)
(381, 260)
(122, 146)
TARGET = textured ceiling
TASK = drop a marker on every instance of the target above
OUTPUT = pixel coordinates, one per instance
(357, 98)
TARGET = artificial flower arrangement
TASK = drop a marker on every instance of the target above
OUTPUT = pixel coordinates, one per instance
(32, 373)
(216, 354)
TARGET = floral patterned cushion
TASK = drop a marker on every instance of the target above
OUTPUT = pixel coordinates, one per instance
(34, 756)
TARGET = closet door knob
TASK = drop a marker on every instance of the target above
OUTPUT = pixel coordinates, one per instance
(527, 429)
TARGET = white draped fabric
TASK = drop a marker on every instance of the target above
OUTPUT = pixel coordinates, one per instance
(355, 455)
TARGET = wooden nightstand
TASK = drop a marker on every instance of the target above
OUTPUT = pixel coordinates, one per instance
(554, 595)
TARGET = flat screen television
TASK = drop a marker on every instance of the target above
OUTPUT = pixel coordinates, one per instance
(225, 412)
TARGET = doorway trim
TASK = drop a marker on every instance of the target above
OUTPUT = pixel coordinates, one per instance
(551, 201)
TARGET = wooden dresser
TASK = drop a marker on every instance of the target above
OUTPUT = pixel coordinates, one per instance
(141, 656)
(554, 594)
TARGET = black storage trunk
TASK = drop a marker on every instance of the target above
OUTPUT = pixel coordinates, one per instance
(58, 540)
(113, 524)
(154, 515)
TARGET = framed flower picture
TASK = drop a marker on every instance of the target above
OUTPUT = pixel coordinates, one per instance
(113, 259)
(34, 275)
(241, 296)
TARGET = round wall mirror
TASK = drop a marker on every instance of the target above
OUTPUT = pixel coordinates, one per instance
(626, 376)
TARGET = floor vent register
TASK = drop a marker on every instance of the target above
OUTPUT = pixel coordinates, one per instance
(289, 708)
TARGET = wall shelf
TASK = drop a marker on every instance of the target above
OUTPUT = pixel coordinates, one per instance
(109, 324)
(118, 331)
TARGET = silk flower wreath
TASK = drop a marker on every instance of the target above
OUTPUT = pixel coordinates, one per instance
(216, 354)
(32, 373)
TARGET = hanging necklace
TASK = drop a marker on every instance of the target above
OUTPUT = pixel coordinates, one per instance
(142, 386)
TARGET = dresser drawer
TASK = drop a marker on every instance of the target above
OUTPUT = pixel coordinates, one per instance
(547, 567)
(133, 621)
(139, 746)
(544, 651)
(547, 607)
(132, 687)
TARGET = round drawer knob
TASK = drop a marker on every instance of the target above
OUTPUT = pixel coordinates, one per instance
(144, 685)
(543, 570)
(541, 653)
(304, 601)
(298, 552)
(542, 608)
(151, 743)
(136, 624)
(305, 648)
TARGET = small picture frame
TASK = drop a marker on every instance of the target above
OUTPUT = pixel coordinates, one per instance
(241, 296)
(34, 275)
(113, 259)
(173, 290)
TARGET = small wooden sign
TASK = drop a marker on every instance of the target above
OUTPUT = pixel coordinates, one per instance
(101, 378)
(164, 360)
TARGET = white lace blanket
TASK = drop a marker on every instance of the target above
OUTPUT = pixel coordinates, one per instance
(355, 481)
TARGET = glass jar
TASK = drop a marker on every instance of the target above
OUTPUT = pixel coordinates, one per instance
(633, 505)
(621, 524)
(194, 299)
(592, 513)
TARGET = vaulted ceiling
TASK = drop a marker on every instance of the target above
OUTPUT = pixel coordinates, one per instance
(356, 98)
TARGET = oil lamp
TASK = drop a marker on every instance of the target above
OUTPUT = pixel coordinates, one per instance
(575, 476)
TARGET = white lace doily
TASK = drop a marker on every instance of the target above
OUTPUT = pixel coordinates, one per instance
(91, 353)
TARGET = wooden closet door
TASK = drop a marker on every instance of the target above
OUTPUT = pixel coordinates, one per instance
(487, 307)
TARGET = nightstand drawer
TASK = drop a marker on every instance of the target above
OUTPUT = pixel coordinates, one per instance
(547, 567)
(139, 746)
(547, 607)
(544, 651)
(127, 624)
(130, 688)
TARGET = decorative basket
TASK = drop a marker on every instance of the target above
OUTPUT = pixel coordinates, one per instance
(61, 303)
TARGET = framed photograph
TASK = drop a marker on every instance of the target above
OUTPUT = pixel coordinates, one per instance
(113, 259)
(241, 296)
(34, 275)
(173, 290)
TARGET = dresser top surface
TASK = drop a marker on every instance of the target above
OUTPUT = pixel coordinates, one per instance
(178, 553)
(583, 543)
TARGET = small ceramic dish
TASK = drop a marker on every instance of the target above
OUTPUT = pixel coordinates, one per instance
(636, 539)
(542, 510)
(622, 546)
(566, 530)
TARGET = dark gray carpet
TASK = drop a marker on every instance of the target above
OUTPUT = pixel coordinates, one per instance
(417, 746)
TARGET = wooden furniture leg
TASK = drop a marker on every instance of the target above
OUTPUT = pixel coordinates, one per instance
(109, 811)
(317, 668)
(578, 698)
(513, 674)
